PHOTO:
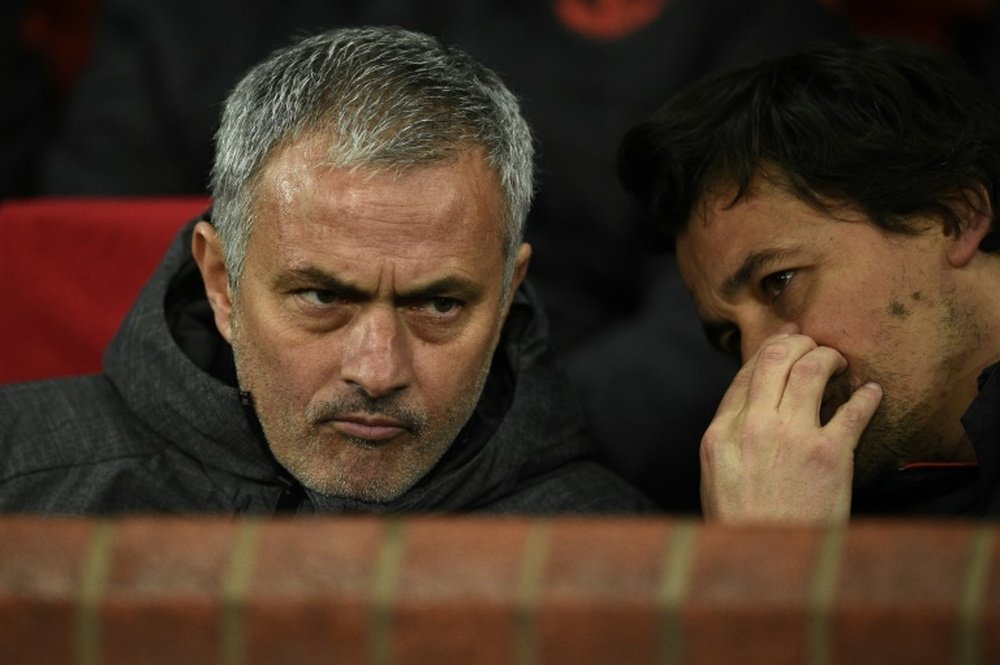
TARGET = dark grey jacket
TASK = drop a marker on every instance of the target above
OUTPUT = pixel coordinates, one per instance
(165, 429)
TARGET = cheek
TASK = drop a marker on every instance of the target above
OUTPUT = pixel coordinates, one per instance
(269, 358)
(859, 328)
(843, 319)
(447, 372)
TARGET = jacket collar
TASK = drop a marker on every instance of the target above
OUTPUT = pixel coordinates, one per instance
(948, 489)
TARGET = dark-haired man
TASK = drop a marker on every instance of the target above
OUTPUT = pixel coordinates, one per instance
(833, 213)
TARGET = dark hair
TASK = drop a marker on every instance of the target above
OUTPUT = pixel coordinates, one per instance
(893, 129)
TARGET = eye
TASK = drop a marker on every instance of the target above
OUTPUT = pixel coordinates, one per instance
(440, 305)
(319, 296)
(775, 284)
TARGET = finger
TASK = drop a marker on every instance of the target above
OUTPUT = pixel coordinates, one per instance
(771, 366)
(735, 396)
(853, 416)
(807, 382)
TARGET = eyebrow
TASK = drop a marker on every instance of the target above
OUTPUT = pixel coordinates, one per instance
(751, 265)
(451, 285)
(313, 277)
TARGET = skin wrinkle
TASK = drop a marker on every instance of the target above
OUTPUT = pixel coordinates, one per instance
(392, 216)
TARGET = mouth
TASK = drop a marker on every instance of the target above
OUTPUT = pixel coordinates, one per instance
(370, 429)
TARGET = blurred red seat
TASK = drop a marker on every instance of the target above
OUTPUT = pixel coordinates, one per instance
(69, 271)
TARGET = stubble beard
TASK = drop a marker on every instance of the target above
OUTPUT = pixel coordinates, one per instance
(362, 471)
(896, 435)
(429, 438)
(903, 431)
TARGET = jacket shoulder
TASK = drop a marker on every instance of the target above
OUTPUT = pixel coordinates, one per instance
(62, 423)
(73, 446)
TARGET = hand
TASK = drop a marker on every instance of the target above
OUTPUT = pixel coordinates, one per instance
(765, 457)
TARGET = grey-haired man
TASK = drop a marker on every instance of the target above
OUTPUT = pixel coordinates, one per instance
(349, 331)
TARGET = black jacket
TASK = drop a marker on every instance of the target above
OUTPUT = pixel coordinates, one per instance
(165, 429)
(972, 490)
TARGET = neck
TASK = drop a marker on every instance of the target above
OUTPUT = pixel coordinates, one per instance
(979, 289)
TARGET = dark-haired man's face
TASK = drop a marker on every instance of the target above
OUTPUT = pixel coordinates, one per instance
(886, 302)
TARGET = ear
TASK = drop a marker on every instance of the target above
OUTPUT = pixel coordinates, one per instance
(520, 270)
(521, 266)
(974, 208)
(207, 250)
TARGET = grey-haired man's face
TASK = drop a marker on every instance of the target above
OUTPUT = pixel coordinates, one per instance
(367, 315)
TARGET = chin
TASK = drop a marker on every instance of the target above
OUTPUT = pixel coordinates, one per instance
(883, 449)
(358, 489)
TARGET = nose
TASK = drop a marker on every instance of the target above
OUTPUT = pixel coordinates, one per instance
(754, 334)
(376, 354)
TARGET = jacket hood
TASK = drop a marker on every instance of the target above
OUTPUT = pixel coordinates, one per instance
(175, 371)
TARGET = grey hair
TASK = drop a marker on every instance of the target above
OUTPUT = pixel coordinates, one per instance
(384, 98)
